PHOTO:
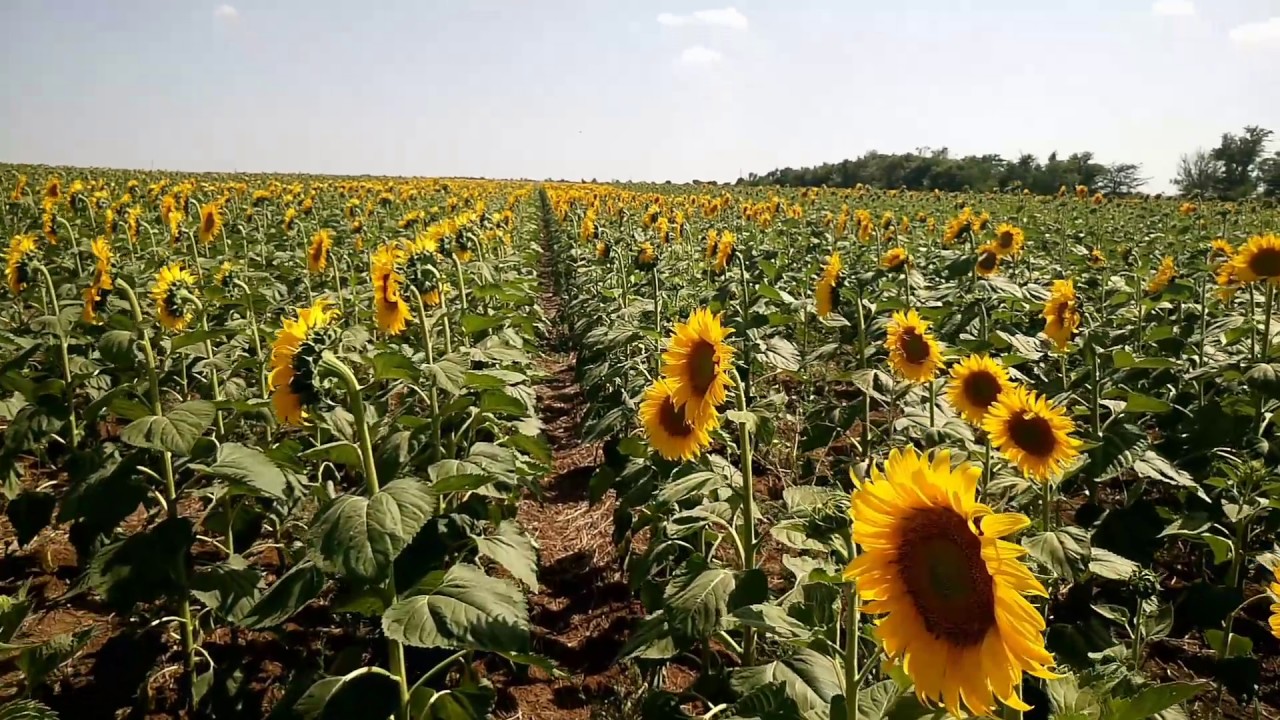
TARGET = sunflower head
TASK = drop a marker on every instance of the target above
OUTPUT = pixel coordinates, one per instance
(390, 307)
(18, 269)
(1009, 239)
(1031, 433)
(226, 275)
(646, 257)
(988, 260)
(713, 242)
(725, 252)
(290, 217)
(1228, 281)
(934, 563)
(895, 259)
(1220, 249)
(53, 188)
(1258, 260)
(913, 352)
(1061, 313)
(174, 295)
(1187, 208)
(101, 249)
(95, 298)
(669, 430)
(1082, 191)
(1097, 258)
(697, 363)
(210, 221)
(295, 356)
(1165, 274)
(602, 251)
(318, 251)
(976, 383)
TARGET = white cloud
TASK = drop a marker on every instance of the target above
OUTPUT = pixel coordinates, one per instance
(1173, 8)
(725, 17)
(1262, 33)
(226, 13)
(699, 55)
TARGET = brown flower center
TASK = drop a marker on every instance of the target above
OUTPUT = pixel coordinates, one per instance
(702, 366)
(981, 388)
(1033, 435)
(940, 563)
(1005, 238)
(209, 221)
(915, 348)
(672, 419)
(987, 262)
(1266, 262)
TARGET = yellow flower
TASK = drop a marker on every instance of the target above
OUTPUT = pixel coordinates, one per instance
(173, 294)
(18, 189)
(1274, 621)
(225, 274)
(295, 354)
(1220, 248)
(1009, 240)
(602, 250)
(49, 220)
(913, 352)
(895, 259)
(132, 221)
(1031, 433)
(646, 257)
(668, 429)
(713, 242)
(1061, 316)
(725, 251)
(290, 216)
(960, 225)
(1187, 208)
(1164, 275)
(210, 222)
(1259, 260)
(976, 383)
(951, 590)
(53, 189)
(1082, 191)
(988, 260)
(18, 263)
(392, 311)
(827, 294)
(1096, 258)
(697, 363)
(318, 253)
(1228, 281)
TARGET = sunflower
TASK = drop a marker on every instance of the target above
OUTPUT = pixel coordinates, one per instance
(1061, 315)
(18, 264)
(18, 189)
(225, 275)
(1220, 248)
(1228, 281)
(1187, 208)
(53, 189)
(318, 253)
(49, 220)
(1164, 275)
(697, 362)
(725, 251)
(132, 220)
(959, 226)
(668, 428)
(988, 260)
(1097, 258)
(646, 258)
(433, 295)
(1259, 259)
(290, 216)
(95, 297)
(934, 564)
(210, 222)
(976, 383)
(1082, 191)
(827, 293)
(713, 242)
(1009, 240)
(602, 250)
(1031, 433)
(1274, 621)
(173, 283)
(913, 352)
(895, 259)
(294, 357)
(392, 311)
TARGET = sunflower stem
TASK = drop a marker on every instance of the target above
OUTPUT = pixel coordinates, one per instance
(748, 529)
(852, 673)
(337, 283)
(431, 360)
(213, 371)
(462, 289)
(657, 316)
(933, 401)
(1266, 323)
(257, 341)
(336, 367)
(62, 351)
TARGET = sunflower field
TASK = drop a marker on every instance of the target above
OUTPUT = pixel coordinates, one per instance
(440, 449)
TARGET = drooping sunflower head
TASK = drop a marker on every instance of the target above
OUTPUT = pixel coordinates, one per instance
(295, 356)
(210, 221)
(290, 217)
(1259, 260)
(988, 261)
(18, 263)
(1220, 249)
(713, 242)
(390, 307)
(725, 251)
(1082, 191)
(1165, 274)
(101, 249)
(1009, 239)
(913, 352)
(832, 270)
(934, 563)
(976, 383)
(318, 251)
(1228, 281)
(174, 295)
(697, 363)
(49, 220)
(53, 188)
(666, 425)
(1031, 433)
(895, 259)
(132, 224)
(1274, 621)
(602, 250)
(226, 275)
(959, 226)
(646, 257)
(1061, 313)
(19, 188)
(827, 291)
(95, 298)
(1097, 258)
(1187, 208)
(1099, 198)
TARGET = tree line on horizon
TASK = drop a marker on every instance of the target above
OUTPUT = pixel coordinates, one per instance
(1239, 167)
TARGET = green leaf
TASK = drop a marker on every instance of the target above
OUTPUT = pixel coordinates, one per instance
(339, 452)
(369, 692)
(781, 354)
(250, 467)
(393, 366)
(229, 588)
(1065, 551)
(29, 513)
(175, 431)
(773, 620)
(1154, 700)
(286, 596)
(462, 608)
(696, 607)
(451, 476)
(695, 484)
(512, 549)
(116, 347)
(360, 537)
(143, 567)
(199, 336)
(1139, 403)
(875, 702)
(475, 324)
(809, 678)
(1240, 646)
(468, 701)
(1107, 564)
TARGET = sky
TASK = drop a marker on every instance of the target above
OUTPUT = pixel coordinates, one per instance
(624, 89)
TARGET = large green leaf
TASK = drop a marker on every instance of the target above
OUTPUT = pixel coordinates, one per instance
(248, 467)
(469, 701)
(1066, 551)
(285, 597)
(360, 537)
(462, 608)
(696, 607)
(369, 692)
(809, 678)
(229, 588)
(512, 548)
(175, 431)
(1154, 700)
(29, 513)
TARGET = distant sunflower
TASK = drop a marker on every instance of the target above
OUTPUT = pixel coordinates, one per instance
(1164, 275)
(225, 276)
(392, 311)
(1082, 192)
(49, 220)
(976, 383)
(646, 257)
(1061, 315)
(988, 260)
(19, 188)
(668, 429)
(959, 226)
(172, 283)
(295, 355)
(725, 251)
(1097, 258)
(827, 292)
(95, 298)
(18, 263)
(913, 352)
(934, 564)
(697, 362)
(895, 259)
(713, 242)
(210, 222)
(1228, 281)
(433, 294)
(1221, 249)
(290, 217)
(318, 252)
(1187, 208)
(1009, 240)
(1099, 198)
(53, 189)
(1031, 433)
(1259, 260)
(602, 250)
(132, 224)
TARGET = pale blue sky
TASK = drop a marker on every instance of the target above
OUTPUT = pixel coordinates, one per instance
(628, 90)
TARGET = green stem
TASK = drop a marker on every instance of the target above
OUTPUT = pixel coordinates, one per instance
(1266, 323)
(62, 350)
(257, 341)
(852, 675)
(213, 372)
(431, 359)
(748, 529)
(337, 283)
(462, 288)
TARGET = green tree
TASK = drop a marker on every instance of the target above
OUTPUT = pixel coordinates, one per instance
(1269, 171)
(1121, 179)
(1239, 156)
(1198, 174)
